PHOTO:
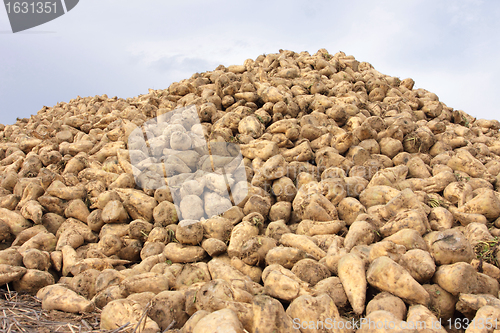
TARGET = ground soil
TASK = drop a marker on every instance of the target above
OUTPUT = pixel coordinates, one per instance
(24, 313)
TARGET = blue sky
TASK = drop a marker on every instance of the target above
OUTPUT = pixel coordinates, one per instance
(123, 47)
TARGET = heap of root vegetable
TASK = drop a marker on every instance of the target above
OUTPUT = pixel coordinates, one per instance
(363, 199)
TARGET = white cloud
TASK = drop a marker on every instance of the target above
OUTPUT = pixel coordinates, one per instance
(125, 47)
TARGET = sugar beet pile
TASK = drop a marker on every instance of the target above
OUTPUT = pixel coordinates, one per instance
(366, 199)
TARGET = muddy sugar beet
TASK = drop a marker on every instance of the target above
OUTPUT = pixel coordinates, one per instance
(291, 188)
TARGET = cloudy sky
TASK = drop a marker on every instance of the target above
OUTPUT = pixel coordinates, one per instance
(123, 47)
